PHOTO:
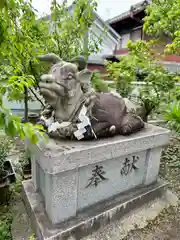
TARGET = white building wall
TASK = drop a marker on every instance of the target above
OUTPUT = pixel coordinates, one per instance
(109, 41)
(124, 40)
(136, 35)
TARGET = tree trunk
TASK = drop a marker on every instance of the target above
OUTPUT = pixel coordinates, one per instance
(86, 43)
(26, 104)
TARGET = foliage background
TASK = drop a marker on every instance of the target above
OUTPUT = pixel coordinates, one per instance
(23, 37)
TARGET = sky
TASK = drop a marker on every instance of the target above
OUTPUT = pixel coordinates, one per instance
(106, 8)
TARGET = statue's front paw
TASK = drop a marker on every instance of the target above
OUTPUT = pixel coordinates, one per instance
(62, 130)
(112, 129)
(126, 130)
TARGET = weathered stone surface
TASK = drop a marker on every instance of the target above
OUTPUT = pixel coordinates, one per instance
(78, 187)
(71, 175)
(153, 163)
(89, 220)
(138, 218)
(114, 183)
(58, 156)
(61, 196)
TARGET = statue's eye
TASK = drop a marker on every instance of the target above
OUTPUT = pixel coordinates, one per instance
(48, 81)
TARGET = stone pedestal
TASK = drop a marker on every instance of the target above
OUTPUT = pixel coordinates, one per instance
(75, 182)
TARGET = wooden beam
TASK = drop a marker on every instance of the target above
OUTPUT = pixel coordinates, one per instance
(136, 19)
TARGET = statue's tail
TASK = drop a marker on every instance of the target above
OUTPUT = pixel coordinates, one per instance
(50, 57)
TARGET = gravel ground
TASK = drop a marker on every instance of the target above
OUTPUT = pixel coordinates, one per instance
(167, 225)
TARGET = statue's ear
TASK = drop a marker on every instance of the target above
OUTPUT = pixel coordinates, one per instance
(50, 57)
(84, 76)
(80, 61)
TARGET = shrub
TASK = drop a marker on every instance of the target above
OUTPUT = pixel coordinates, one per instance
(172, 115)
(98, 84)
(157, 80)
(5, 229)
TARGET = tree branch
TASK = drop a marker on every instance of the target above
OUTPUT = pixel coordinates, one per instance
(37, 98)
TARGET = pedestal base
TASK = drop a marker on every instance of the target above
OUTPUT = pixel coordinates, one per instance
(88, 220)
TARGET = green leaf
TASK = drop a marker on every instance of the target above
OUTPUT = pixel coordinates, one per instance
(34, 138)
(22, 39)
(2, 3)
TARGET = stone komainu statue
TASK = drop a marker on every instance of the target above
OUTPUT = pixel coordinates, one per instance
(75, 111)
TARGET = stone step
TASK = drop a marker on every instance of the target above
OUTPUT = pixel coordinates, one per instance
(96, 217)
